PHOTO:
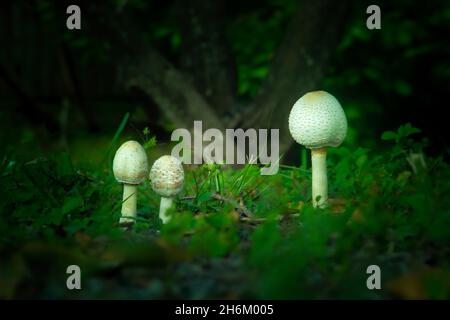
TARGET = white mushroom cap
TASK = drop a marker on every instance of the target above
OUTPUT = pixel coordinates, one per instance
(167, 176)
(130, 164)
(317, 120)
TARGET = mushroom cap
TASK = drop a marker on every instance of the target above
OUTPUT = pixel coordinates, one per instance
(317, 120)
(167, 176)
(130, 164)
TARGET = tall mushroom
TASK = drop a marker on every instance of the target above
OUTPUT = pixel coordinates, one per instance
(318, 121)
(130, 167)
(167, 178)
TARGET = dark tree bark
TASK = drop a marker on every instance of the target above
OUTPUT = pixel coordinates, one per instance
(206, 54)
(204, 86)
(298, 66)
(29, 109)
(142, 68)
(73, 87)
(174, 94)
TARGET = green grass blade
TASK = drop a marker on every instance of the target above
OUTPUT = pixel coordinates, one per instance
(119, 131)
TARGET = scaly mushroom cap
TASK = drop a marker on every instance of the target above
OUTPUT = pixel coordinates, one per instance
(130, 164)
(167, 176)
(317, 120)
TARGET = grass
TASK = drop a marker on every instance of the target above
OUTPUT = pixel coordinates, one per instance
(233, 233)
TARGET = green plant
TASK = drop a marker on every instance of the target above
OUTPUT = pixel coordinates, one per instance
(246, 236)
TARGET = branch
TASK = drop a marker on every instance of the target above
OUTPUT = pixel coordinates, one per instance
(142, 67)
(175, 96)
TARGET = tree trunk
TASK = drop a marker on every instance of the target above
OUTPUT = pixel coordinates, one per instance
(206, 55)
(143, 68)
(298, 66)
(174, 94)
(29, 109)
(73, 87)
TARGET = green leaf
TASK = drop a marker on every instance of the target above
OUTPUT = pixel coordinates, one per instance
(119, 130)
(72, 203)
(150, 143)
(389, 135)
(407, 130)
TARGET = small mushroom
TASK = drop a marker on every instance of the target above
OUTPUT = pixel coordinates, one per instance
(130, 167)
(167, 177)
(318, 121)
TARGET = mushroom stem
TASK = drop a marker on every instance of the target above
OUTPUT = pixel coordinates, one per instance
(165, 205)
(319, 177)
(129, 203)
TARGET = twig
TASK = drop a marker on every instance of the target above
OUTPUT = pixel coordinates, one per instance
(260, 220)
(241, 209)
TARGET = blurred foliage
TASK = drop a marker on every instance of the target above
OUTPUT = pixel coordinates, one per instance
(233, 233)
(254, 37)
(389, 76)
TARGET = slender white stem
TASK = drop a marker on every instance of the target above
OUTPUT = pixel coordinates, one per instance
(166, 203)
(129, 201)
(319, 177)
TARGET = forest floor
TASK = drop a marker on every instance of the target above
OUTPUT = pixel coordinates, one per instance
(234, 233)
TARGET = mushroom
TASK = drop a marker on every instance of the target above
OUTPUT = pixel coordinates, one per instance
(318, 121)
(167, 177)
(130, 167)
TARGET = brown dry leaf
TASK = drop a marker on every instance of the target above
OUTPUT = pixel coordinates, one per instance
(337, 205)
(82, 238)
(412, 285)
(12, 272)
(111, 256)
(172, 252)
(357, 216)
(296, 205)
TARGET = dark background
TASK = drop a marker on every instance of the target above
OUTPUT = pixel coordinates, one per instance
(229, 63)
